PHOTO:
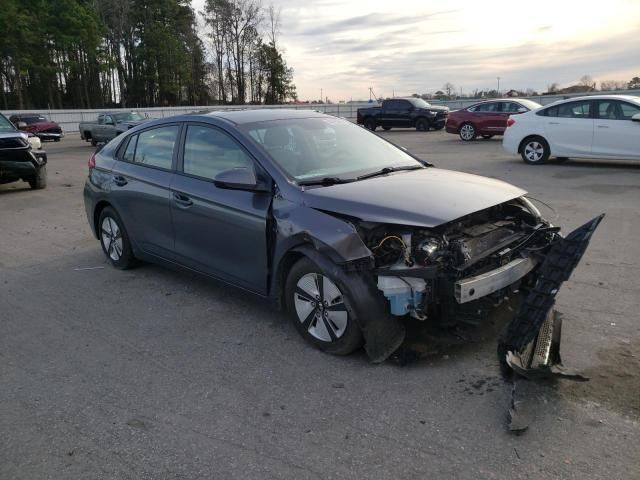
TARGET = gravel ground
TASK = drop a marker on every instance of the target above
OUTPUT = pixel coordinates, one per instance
(160, 374)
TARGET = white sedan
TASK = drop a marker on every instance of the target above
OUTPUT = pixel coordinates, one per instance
(599, 126)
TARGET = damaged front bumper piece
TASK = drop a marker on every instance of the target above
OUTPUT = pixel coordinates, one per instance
(530, 345)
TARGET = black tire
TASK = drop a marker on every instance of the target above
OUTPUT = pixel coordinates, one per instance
(535, 150)
(348, 338)
(370, 124)
(126, 258)
(422, 125)
(487, 137)
(56, 139)
(40, 180)
(468, 132)
(386, 129)
(94, 143)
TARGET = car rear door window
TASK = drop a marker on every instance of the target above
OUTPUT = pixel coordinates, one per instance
(155, 147)
(488, 107)
(511, 107)
(209, 151)
(574, 109)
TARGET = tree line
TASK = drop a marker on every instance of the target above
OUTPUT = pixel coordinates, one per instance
(139, 53)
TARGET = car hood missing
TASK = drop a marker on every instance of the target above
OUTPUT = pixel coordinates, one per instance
(425, 198)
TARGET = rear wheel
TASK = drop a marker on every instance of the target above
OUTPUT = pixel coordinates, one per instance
(487, 137)
(40, 180)
(94, 143)
(320, 310)
(422, 125)
(467, 132)
(386, 128)
(535, 151)
(57, 139)
(115, 240)
(370, 124)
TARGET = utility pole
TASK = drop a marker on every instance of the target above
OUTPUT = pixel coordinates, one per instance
(321, 95)
(498, 86)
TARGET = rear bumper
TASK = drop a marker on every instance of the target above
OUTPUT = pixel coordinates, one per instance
(510, 143)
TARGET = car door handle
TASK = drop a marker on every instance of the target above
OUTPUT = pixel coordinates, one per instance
(120, 181)
(182, 200)
(553, 123)
(603, 126)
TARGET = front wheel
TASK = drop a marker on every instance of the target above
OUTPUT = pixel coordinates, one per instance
(468, 132)
(386, 129)
(115, 240)
(39, 181)
(487, 137)
(320, 309)
(535, 151)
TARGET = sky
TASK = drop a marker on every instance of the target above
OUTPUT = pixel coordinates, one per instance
(416, 46)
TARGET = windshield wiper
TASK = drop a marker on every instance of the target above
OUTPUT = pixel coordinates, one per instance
(386, 170)
(326, 181)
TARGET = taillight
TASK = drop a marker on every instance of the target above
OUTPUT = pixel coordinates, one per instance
(510, 122)
(92, 161)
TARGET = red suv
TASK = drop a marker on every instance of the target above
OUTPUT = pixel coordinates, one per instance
(486, 118)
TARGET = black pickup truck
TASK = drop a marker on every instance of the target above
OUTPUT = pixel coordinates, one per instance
(403, 113)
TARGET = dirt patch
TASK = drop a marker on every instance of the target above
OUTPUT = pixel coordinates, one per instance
(615, 380)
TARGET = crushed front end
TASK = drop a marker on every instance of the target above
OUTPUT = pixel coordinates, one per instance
(454, 274)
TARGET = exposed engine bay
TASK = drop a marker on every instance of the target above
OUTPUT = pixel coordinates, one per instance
(442, 274)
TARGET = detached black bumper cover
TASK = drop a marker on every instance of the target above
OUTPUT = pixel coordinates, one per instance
(557, 267)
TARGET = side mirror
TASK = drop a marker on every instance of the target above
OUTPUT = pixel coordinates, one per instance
(636, 118)
(22, 125)
(239, 178)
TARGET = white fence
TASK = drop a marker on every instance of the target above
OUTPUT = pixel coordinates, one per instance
(69, 119)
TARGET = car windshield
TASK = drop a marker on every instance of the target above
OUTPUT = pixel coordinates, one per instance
(6, 125)
(314, 148)
(419, 103)
(128, 117)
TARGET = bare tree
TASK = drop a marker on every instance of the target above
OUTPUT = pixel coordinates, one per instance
(449, 87)
(587, 81)
(608, 85)
(553, 87)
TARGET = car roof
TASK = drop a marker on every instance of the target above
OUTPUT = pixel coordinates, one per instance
(243, 116)
(601, 97)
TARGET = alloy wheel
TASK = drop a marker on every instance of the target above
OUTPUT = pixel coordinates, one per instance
(467, 132)
(320, 307)
(112, 238)
(534, 151)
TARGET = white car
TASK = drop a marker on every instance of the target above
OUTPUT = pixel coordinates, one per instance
(598, 126)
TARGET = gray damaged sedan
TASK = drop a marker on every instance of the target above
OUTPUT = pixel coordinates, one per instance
(348, 233)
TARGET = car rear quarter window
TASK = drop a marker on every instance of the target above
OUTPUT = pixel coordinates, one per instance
(130, 150)
(155, 147)
(209, 151)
